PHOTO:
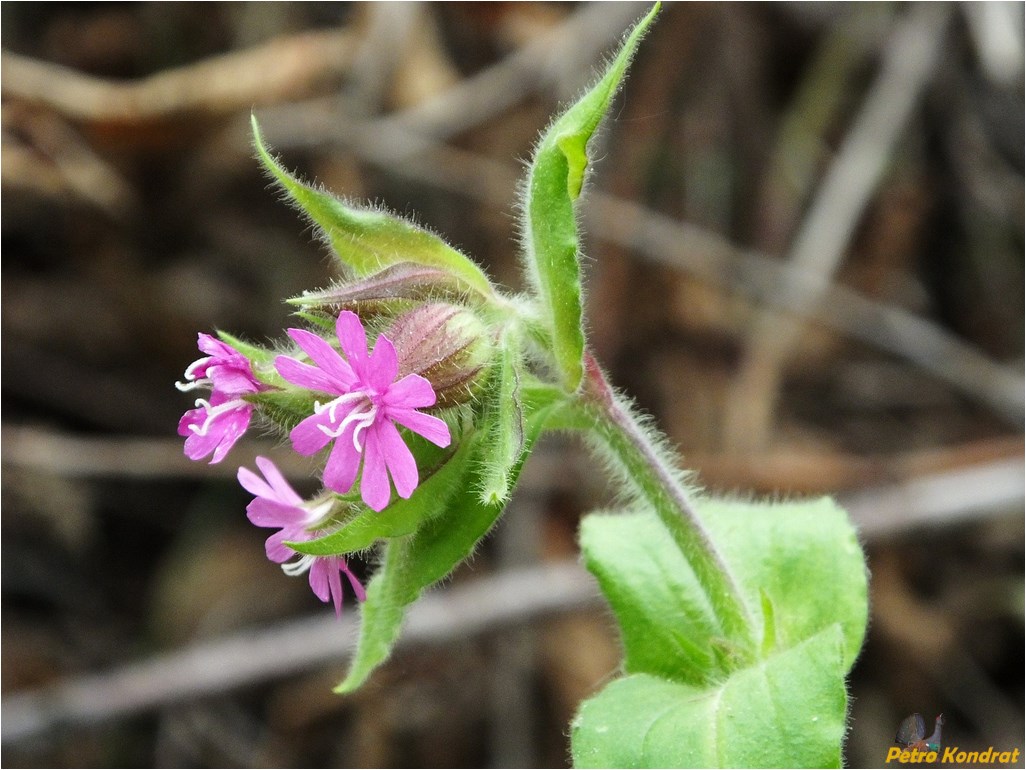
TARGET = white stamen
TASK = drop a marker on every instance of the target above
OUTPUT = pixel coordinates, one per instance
(299, 566)
(362, 418)
(331, 406)
(213, 412)
(190, 375)
(187, 386)
(315, 513)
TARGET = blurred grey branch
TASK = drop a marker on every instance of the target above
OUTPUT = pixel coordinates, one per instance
(512, 598)
(226, 84)
(822, 240)
(412, 136)
(207, 668)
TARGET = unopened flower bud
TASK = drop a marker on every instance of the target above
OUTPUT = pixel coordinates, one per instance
(446, 344)
(386, 291)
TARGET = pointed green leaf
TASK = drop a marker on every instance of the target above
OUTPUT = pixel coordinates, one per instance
(800, 559)
(367, 240)
(667, 626)
(803, 559)
(381, 615)
(549, 222)
(787, 710)
(414, 562)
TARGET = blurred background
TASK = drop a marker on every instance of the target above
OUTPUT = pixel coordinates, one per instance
(804, 241)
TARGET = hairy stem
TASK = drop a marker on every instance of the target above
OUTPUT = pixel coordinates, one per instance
(658, 480)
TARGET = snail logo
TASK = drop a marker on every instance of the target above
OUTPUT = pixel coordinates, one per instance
(915, 748)
(912, 730)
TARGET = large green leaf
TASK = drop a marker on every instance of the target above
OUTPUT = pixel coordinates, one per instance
(667, 625)
(549, 222)
(367, 240)
(787, 710)
(800, 571)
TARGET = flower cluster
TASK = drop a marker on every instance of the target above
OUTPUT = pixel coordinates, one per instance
(278, 505)
(359, 402)
(216, 424)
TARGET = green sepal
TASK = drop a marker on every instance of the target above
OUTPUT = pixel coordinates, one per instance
(505, 413)
(401, 517)
(401, 281)
(549, 223)
(366, 240)
(285, 408)
(260, 356)
(321, 321)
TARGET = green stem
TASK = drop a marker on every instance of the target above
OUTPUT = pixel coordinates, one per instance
(660, 483)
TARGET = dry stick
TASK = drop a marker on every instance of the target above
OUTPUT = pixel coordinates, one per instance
(42, 451)
(954, 496)
(209, 668)
(505, 84)
(820, 244)
(659, 238)
(487, 604)
(220, 85)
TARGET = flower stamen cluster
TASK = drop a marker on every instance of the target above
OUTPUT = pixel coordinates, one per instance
(361, 419)
(213, 427)
(276, 504)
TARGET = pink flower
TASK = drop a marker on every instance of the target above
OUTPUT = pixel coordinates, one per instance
(216, 424)
(277, 505)
(361, 418)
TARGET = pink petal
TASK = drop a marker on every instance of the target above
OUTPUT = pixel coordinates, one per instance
(283, 490)
(276, 549)
(232, 380)
(212, 346)
(222, 433)
(325, 356)
(271, 513)
(234, 425)
(374, 487)
(254, 484)
(197, 447)
(430, 427)
(398, 458)
(307, 438)
(382, 367)
(331, 566)
(306, 376)
(192, 417)
(343, 464)
(411, 392)
(319, 580)
(358, 589)
(353, 339)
